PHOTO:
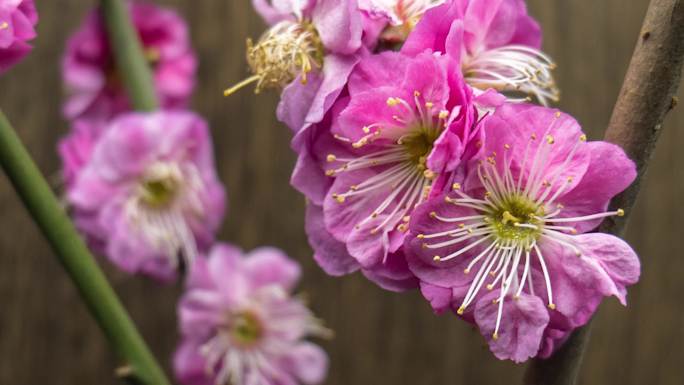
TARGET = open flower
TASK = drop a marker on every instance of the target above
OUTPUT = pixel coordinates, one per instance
(17, 21)
(396, 139)
(497, 43)
(93, 82)
(149, 192)
(509, 248)
(240, 324)
(309, 51)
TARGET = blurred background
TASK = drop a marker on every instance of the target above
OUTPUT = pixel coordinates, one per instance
(47, 337)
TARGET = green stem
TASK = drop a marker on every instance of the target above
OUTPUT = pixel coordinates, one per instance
(75, 257)
(130, 60)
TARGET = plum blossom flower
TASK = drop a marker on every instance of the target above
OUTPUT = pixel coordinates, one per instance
(399, 16)
(497, 43)
(93, 83)
(509, 248)
(309, 51)
(241, 325)
(18, 19)
(396, 139)
(149, 193)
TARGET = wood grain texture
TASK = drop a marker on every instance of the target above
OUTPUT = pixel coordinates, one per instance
(46, 336)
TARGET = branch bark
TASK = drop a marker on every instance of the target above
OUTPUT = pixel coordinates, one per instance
(646, 97)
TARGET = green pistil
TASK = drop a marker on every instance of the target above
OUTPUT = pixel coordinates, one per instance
(512, 212)
(158, 192)
(245, 328)
(419, 145)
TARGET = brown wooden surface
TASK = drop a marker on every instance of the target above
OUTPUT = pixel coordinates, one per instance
(46, 336)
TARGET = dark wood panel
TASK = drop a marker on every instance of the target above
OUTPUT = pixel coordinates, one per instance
(46, 336)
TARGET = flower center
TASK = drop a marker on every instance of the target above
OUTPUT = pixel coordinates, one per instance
(287, 50)
(515, 219)
(159, 192)
(418, 144)
(245, 328)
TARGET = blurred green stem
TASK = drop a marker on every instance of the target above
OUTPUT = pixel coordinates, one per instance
(131, 62)
(75, 257)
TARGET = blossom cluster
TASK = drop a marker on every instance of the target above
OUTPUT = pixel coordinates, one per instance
(143, 189)
(430, 159)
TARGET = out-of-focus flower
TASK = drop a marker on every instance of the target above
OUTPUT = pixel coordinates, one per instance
(309, 51)
(149, 192)
(93, 83)
(18, 19)
(399, 16)
(509, 248)
(396, 139)
(77, 146)
(496, 41)
(240, 324)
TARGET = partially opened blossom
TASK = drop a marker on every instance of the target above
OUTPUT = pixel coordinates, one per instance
(509, 248)
(399, 16)
(94, 85)
(308, 52)
(240, 323)
(496, 41)
(18, 19)
(149, 193)
(396, 139)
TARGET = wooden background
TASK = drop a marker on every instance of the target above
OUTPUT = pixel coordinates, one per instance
(47, 337)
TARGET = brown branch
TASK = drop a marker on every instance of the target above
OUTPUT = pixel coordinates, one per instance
(647, 95)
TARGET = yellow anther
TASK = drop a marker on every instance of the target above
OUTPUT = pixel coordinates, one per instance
(550, 140)
(460, 310)
(573, 231)
(456, 186)
(366, 129)
(447, 199)
(392, 102)
(558, 114)
(433, 214)
(436, 258)
(552, 306)
(406, 218)
(420, 236)
(570, 179)
(495, 336)
(329, 172)
(353, 187)
(583, 138)
(374, 231)
(429, 174)
(507, 146)
(620, 213)
(443, 114)
(490, 287)
(461, 225)
(402, 227)
(339, 198)
(429, 105)
(331, 158)
(466, 271)
(416, 93)
(4, 25)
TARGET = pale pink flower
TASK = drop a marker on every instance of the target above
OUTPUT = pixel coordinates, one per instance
(149, 193)
(240, 323)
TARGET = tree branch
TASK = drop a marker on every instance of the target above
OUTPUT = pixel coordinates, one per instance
(647, 95)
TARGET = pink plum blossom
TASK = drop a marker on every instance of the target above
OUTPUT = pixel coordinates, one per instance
(309, 51)
(149, 194)
(18, 19)
(240, 323)
(94, 85)
(496, 41)
(509, 248)
(395, 138)
(77, 146)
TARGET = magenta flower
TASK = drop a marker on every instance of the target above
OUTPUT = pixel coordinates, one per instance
(76, 147)
(240, 324)
(18, 19)
(309, 52)
(395, 140)
(496, 42)
(149, 192)
(92, 80)
(509, 247)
